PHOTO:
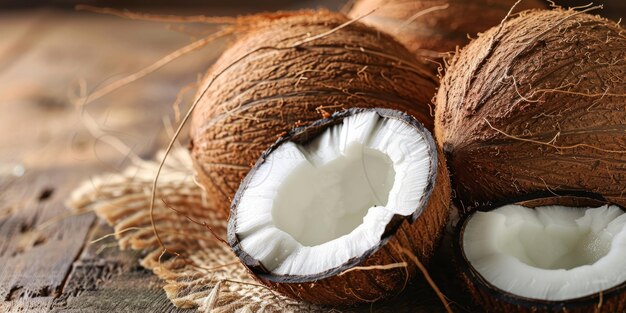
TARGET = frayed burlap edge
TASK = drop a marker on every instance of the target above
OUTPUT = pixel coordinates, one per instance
(198, 270)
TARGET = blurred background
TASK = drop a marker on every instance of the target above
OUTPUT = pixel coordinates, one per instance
(207, 5)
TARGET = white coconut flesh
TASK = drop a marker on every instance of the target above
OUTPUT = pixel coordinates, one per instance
(548, 253)
(312, 208)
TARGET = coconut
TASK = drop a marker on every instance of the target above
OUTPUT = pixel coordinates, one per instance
(538, 103)
(555, 253)
(289, 70)
(430, 28)
(331, 212)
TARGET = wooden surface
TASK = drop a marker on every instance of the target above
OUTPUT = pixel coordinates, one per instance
(47, 260)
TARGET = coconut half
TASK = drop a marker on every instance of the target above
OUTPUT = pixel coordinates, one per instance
(551, 257)
(360, 188)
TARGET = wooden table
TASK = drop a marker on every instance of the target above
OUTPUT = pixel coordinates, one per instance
(47, 260)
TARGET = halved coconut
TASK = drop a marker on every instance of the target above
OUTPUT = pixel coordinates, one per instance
(559, 253)
(329, 213)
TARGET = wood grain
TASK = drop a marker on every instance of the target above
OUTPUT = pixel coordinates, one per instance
(107, 280)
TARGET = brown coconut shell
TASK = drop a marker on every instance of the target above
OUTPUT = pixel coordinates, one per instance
(417, 234)
(292, 69)
(438, 31)
(537, 104)
(493, 299)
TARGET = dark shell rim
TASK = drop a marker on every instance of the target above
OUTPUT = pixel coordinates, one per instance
(302, 135)
(478, 281)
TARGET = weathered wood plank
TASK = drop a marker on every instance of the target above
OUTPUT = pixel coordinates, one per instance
(34, 305)
(105, 279)
(34, 259)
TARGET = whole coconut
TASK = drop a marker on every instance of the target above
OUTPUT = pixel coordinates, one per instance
(537, 104)
(289, 70)
(429, 28)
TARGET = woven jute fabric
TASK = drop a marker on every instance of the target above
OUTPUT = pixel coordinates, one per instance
(198, 269)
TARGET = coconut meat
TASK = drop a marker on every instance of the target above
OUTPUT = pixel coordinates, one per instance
(548, 253)
(308, 209)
